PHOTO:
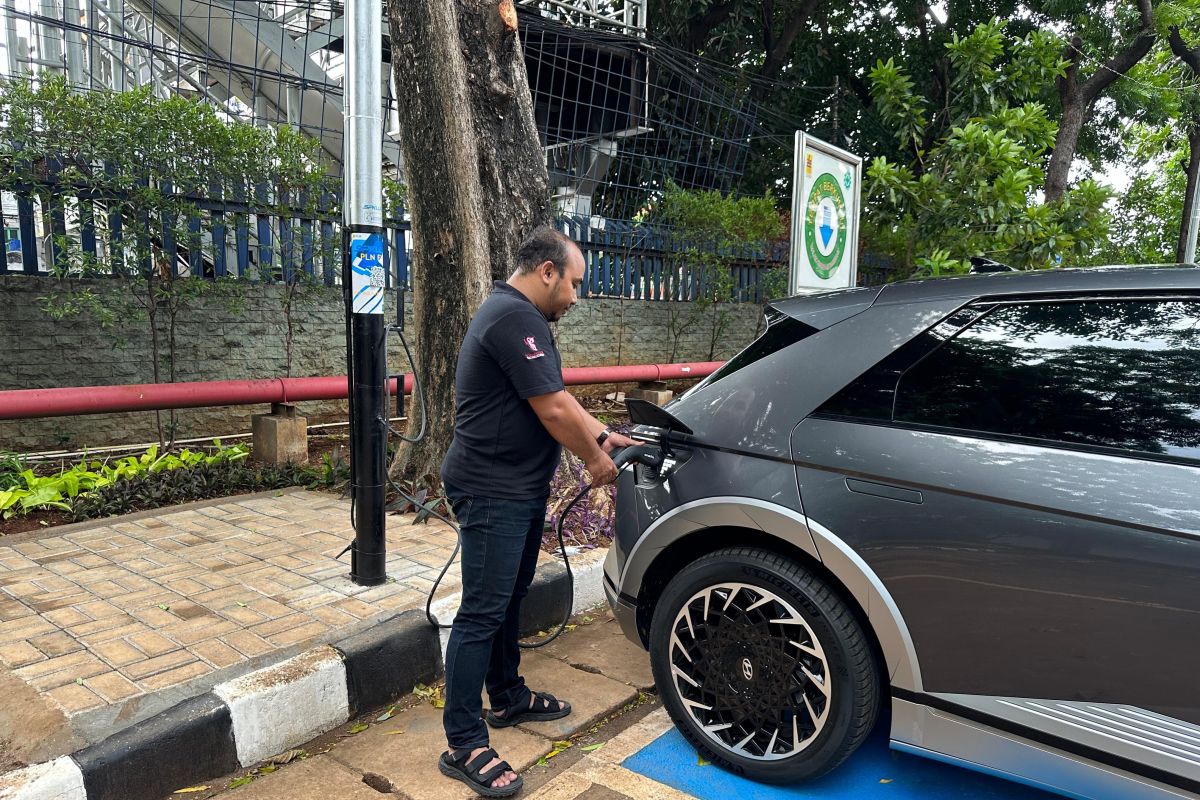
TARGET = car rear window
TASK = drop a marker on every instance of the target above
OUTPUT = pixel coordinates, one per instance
(782, 331)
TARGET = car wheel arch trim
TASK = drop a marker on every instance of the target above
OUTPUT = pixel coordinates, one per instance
(817, 541)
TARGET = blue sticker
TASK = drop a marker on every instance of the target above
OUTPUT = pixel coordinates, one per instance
(367, 275)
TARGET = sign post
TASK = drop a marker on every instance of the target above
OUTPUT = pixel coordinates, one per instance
(363, 282)
(826, 194)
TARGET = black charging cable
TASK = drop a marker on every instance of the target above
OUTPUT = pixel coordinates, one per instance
(419, 393)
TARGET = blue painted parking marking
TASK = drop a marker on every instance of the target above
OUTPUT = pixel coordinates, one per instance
(874, 771)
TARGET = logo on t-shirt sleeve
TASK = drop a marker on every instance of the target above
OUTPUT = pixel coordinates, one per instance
(534, 350)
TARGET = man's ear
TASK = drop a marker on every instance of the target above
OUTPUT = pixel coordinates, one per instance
(548, 270)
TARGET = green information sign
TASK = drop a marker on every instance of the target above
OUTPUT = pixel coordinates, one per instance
(826, 195)
(825, 228)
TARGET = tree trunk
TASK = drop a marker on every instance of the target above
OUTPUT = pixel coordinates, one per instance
(1189, 196)
(1079, 98)
(1057, 173)
(1191, 57)
(476, 179)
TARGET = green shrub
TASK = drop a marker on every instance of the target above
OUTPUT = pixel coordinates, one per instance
(200, 482)
(22, 490)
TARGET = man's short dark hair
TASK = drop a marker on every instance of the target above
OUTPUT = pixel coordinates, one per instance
(544, 244)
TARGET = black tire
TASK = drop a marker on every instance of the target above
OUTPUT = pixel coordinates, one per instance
(840, 706)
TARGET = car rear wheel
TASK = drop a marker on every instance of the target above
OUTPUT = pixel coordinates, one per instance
(763, 668)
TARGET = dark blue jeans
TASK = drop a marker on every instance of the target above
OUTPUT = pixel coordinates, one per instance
(500, 543)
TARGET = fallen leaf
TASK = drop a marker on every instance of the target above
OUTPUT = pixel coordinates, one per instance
(885, 780)
(562, 745)
(268, 769)
(79, 681)
(701, 761)
(552, 753)
(238, 783)
(592, 747)
(164, 606)
(288, 757)
(385, 716)
(190, 790)
(241, 604)
(570, 628)
(393, 733)
(359, 728)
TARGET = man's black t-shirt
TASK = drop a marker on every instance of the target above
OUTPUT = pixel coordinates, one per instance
(500, 447)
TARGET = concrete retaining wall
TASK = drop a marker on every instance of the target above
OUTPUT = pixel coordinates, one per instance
(239, 330)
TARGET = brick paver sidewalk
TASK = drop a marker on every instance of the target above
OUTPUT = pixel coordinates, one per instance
(114, 621)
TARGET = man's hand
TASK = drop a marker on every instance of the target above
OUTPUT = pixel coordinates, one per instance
(602, 470)
(615, 441)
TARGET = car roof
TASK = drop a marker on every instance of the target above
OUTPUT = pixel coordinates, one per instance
(826, 308)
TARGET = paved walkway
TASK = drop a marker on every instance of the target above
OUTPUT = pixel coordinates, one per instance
(106, 623)
(593, 665)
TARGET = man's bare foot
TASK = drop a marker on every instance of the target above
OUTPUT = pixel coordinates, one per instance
(498, 783)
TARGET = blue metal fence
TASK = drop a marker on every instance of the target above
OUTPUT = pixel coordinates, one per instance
(255, 233)
(645, 261)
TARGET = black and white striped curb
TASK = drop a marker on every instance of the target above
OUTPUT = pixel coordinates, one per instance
(246, 720)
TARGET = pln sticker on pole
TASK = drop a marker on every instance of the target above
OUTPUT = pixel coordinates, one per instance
(825, 206)
(367, 276)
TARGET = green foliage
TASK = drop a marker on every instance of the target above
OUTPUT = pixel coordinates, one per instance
(395, 195)
(1148, 214)
(134, 143)
(22, 490)
(716, 233)
(970, 184)
(200, 482)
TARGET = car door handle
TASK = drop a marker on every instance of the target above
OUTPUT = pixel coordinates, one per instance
(885, 490)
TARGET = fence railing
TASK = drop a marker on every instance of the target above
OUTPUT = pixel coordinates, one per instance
(253, 233)
(645, 261)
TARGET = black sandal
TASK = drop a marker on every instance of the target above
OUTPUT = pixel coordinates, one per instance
(459, 768)
(543, 708)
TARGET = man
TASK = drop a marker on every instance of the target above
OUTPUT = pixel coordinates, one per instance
(512, 415)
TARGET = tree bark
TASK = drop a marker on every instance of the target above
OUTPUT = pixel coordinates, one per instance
(1189, 197)
(1191, 57)
(778, 50)
(476, 179)
(1078, 99)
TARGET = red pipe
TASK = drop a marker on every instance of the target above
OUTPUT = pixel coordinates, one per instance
(69, 401)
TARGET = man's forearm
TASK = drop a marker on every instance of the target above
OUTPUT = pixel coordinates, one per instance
(564, 419)
(593, 425)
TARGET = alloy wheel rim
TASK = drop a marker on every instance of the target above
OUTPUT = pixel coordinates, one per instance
(750, 671)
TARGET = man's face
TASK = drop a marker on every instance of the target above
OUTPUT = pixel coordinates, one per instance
(564, 289)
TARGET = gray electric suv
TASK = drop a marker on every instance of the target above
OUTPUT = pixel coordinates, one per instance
(972, 503)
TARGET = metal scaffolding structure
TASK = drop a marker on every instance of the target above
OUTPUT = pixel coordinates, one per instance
(621, 117)
(263, 61)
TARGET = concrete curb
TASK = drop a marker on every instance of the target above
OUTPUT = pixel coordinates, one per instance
(263, 713)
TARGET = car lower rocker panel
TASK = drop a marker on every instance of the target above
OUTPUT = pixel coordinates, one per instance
(1098, 751)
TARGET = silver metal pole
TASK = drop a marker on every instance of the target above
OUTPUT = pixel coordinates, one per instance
(363, 148)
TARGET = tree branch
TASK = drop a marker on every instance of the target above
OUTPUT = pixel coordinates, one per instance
(1125, 60)
(1068, 82)
(778, 54)
(698, 30)
(1189, 56)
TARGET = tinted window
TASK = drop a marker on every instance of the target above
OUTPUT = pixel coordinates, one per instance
(1122, 374)
(781, 331)
(872, 396)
